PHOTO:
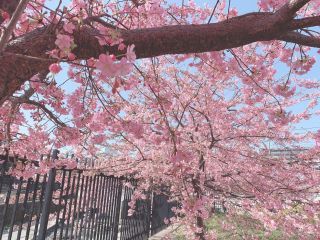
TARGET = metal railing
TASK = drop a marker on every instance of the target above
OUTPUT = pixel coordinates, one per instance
(68, 204)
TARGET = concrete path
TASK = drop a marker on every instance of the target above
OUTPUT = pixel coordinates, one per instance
(164, 233)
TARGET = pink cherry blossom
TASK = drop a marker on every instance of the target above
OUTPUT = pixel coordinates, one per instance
(5, 15)
(131, 56)
(55, 68)
(71, 56)
(110, 67)
(64, 42)
(197, 127)
(69, 27)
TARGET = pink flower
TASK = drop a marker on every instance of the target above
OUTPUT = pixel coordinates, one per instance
(121, 46)
(131, 56)
(71, 56)
(130, 212)
(91, 62)
(136, 129)
(98, 139)
(105, 65)
(64, 42)
(5, 15)
(55, 68)
(69, 27)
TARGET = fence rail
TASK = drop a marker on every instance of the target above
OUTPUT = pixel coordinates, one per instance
(68, 204)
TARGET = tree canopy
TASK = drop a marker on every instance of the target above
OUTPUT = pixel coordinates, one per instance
(182, 97)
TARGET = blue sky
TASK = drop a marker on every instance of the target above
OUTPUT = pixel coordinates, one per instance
(245, 6)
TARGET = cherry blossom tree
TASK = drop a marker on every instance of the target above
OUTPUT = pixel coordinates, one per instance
(184, 98)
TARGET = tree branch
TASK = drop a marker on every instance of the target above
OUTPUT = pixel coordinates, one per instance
(149, 42)
(47, 111)
(304, 22)
(289, 10)
(12, 24)
(295, 37)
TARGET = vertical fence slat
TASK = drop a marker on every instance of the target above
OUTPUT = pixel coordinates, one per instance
(87, 219)
(108, 216)
(101, 204)
(105, 208)
(112, 213)
(94, 204)
(65, 198)
(91, 211)
(124, 218)
(43, 186)
(70, 206)
(6, 206)
(15, 208)
(24, 207)
(79, 203)
(57, 224)
(2, 171)
(84, 206)
(47, 204)
(75, 204)
(98, 206)
(30, 215)
(118, 205)
(124, 215)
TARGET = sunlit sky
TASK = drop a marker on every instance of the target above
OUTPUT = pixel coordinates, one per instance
(246, 6)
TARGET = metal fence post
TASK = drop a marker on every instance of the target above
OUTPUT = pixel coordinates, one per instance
(151, 213)
(148, 220)
(47, 199)
(115, 237)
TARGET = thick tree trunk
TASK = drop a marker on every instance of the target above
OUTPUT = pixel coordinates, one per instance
(199, 194)
(200, 224)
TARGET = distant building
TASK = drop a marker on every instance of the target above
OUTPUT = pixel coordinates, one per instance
(292, 155)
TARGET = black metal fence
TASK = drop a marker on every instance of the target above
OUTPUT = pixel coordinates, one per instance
(68, 204)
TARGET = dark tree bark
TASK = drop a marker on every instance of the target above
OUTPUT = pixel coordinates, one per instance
(27, 55)
(9, 6)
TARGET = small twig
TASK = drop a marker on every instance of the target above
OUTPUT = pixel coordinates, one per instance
(47, 111)
(27, 57)
(99, 20)
(214, 9)
(228, 9)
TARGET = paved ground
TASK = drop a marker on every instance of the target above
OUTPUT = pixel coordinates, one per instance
(164, 233)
